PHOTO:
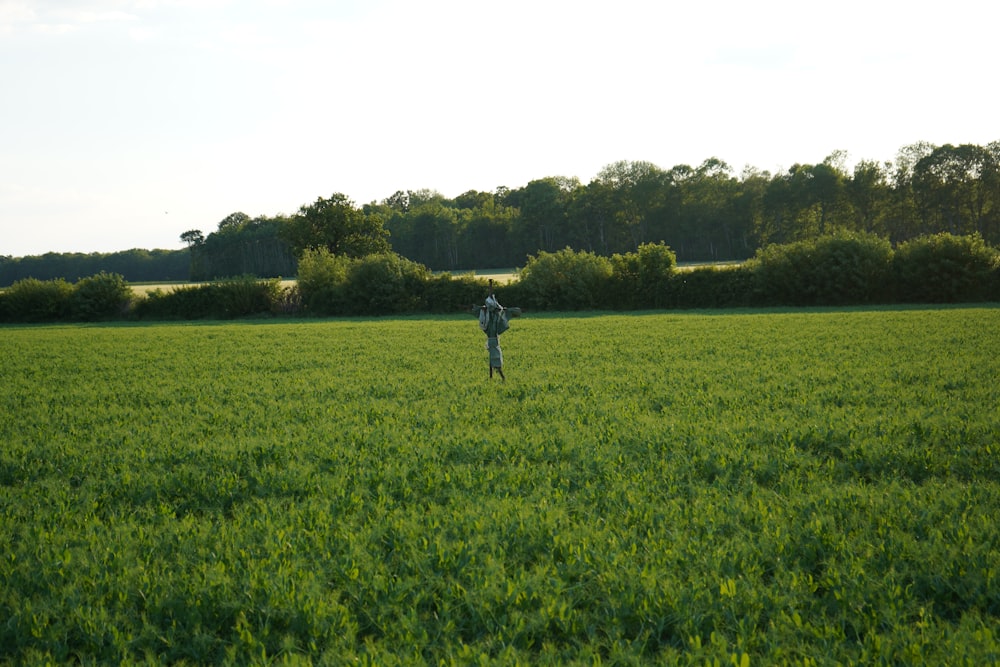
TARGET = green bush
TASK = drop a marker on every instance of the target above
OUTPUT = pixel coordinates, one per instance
(641, 279)
(445, 293)
(385, 283)
(379, 284)
(322, 276)
(565, 280)
(181, 303)
(246, 296)
(712, 287)
(944, 268)
(33, 300)
(837, 269)
(240, 297)
(100, 297)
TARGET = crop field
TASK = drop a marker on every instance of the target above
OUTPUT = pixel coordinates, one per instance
(731, 488)
(142, 288)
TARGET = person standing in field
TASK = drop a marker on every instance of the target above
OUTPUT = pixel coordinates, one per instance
(493, 322)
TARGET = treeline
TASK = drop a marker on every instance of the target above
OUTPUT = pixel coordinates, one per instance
(134, 265)
(242, 245)
(704, 213)
(832, 270)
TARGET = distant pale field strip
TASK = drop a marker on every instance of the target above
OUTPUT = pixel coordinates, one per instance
(502, 276)
(146, 288)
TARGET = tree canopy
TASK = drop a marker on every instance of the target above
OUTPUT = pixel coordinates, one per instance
(705, 212)
(335, 224)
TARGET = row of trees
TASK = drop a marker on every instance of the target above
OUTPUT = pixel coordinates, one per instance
(270, 247)
(834, 269)
(135, 265)
(704, 213)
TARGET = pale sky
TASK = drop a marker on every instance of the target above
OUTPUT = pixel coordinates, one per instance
(124, 123)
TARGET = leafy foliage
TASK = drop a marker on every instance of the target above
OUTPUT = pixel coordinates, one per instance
(946, 268)
(33, 300)
(830, 270)
(241, 246)
(712, 287)
(565, 280)
(374, 285)
(385, 284)
(838, 269)
(450, 294)
(335, 224)
(100, 297)
(655, 489)
(134, 265)
(704, 213)
(238, 297)
(641, 279)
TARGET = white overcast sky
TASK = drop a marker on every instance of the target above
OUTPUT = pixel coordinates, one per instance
(124, 123)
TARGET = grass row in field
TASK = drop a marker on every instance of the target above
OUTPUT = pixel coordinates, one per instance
(801, 487)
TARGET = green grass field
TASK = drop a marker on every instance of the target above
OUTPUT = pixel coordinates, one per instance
(726, 488)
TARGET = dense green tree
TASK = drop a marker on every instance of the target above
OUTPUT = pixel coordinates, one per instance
(336, 224)
(641, 279)
(705, 221)
(193, 238)
(242, 245)
(233, 222)
(543, 221)
(868, 195)
(952, 188)
(591, 217)
(905, 219)
(485, 237)
(136, 265)
(473, 199)
(426, 233)
(639, 190)
(825, 193)
(565, 280)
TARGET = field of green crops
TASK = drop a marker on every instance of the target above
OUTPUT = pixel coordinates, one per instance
(729, 488)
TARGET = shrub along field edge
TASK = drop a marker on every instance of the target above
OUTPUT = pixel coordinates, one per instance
(834, 270)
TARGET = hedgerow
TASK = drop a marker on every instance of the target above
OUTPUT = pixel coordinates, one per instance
(835, 270)
(33, 300)
(944, 268)
(238, 297)
(838, 269)
(566, 280)
(102, 296)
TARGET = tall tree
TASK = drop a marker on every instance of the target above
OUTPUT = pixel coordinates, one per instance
(233, 221)
(906, 220)
(826, 191)
(427, 234)
(591, 216)
(949, 185)
(542, 224)
(193, 237)
(336, 224)
(639, 189)
(868, 193)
